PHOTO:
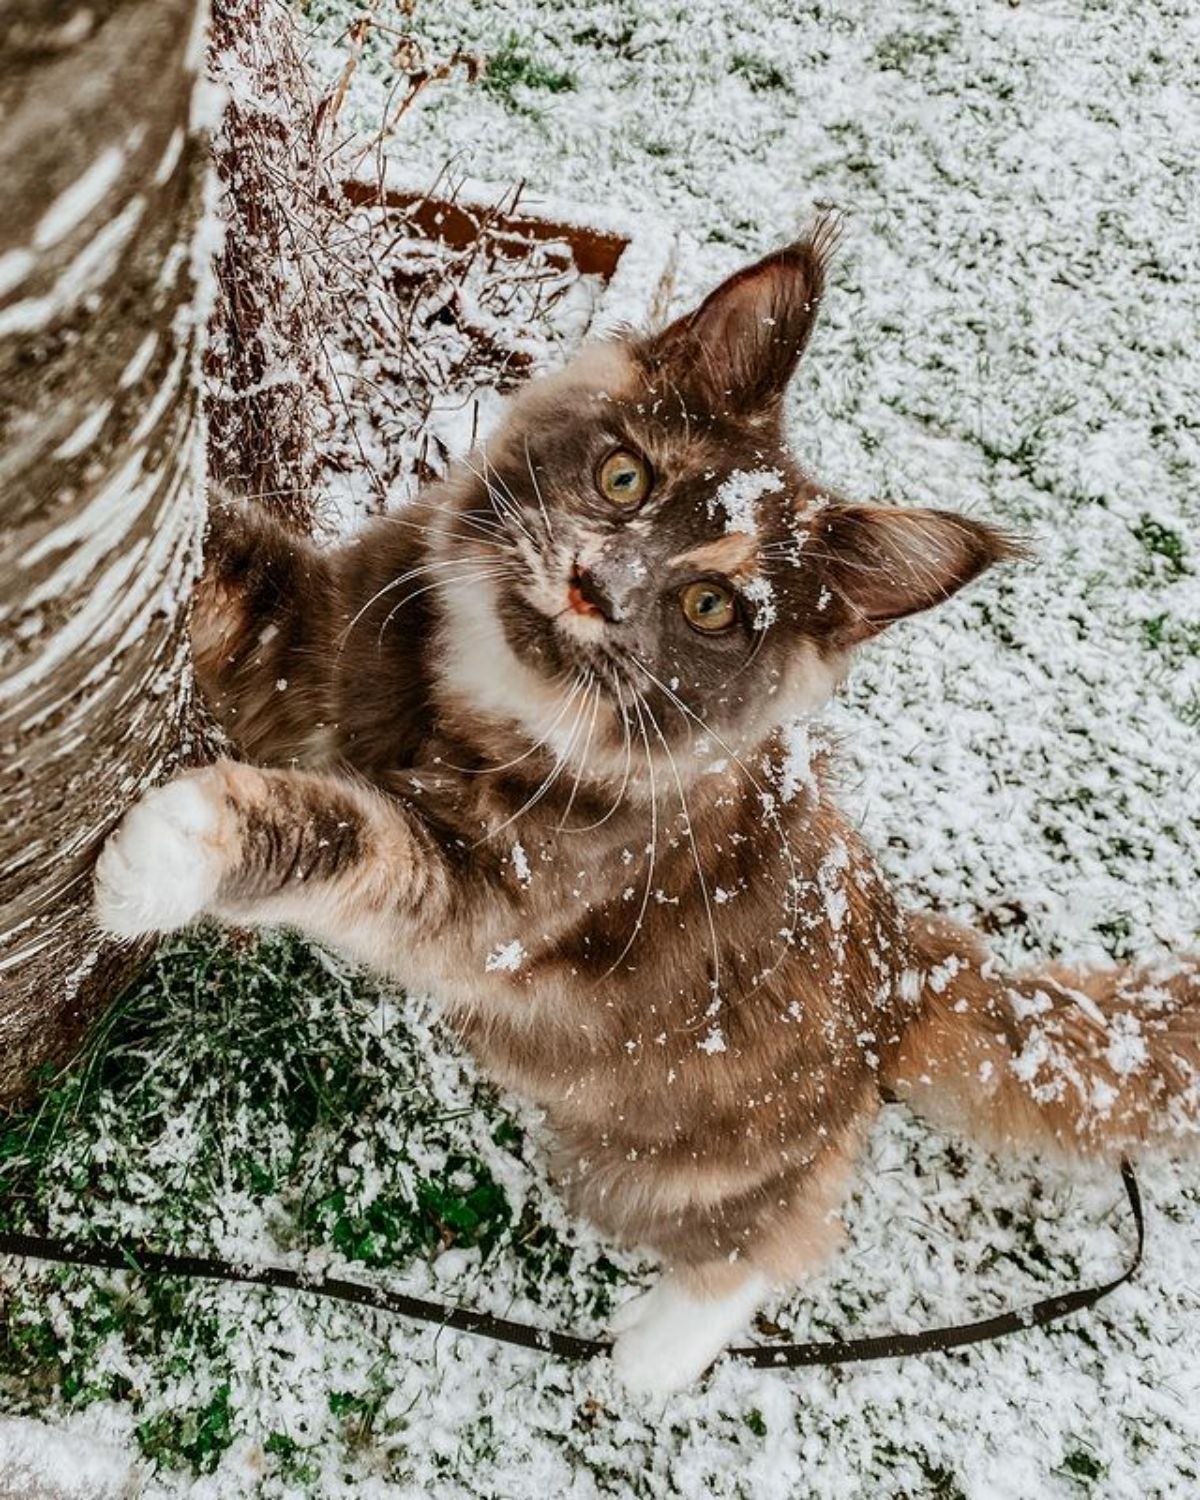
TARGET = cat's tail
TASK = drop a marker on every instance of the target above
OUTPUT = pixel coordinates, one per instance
(1101, 1064)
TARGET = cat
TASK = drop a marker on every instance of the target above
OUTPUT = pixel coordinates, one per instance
(525, 744)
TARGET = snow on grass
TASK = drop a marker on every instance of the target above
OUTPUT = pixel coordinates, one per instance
(1009, 331)
(263, 1103)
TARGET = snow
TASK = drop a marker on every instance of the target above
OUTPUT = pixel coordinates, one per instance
(15, 266)
(39, 1461)
(759, 594)
(506, 959)
(739, 494)
(1009, 331)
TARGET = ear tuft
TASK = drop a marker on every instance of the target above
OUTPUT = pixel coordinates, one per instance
(883, 564)
(738, 350)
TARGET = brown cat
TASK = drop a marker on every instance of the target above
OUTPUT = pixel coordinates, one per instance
(524, 745)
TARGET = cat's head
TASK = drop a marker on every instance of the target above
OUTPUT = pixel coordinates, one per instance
(646, 557)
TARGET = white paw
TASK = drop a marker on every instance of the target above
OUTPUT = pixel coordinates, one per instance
(667, 1338)
(629, 1312)
(161, 868)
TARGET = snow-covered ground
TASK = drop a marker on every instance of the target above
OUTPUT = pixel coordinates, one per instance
(1010, 331)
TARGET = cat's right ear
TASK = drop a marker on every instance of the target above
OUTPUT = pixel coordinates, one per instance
(737, 351)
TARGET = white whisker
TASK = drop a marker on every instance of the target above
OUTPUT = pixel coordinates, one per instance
(587, 745)
(438, 583)
(394, 584)
(691, 835)
(546, 783)
(618, 801)
(792, 910)
(537, 490)
(641, 916)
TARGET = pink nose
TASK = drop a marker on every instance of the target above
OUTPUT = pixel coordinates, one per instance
(578, 603)
(583, 594)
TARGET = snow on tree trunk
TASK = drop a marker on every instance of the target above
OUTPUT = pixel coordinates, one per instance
(104, 290)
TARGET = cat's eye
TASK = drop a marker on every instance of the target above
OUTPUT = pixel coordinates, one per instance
(708, 606)
(624, 478)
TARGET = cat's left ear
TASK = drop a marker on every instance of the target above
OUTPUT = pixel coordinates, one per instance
(737, 351)
(881, 564)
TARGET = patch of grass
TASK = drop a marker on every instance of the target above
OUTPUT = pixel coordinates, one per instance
(230, 1079)
(1117, 933)
(898, 51)
(616, 40)
(756, 1422)
(515, 68)
(265, 1091)
(463, 1206)
(761, 76)
(1154, 631)
(467, 1205)
(1189, 710)
(941, 1481)
(1082, 1466)
(194, 1437)
(296, 1464)
(235, 1032)
(1174, 638)
(1161, 542)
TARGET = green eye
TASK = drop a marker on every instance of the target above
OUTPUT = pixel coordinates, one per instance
(708, 606)
(624, 478)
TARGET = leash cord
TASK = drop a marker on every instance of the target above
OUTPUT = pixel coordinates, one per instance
(566, 1345)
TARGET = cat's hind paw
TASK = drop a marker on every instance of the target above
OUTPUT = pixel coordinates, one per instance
(162, 866)
(667, 1338)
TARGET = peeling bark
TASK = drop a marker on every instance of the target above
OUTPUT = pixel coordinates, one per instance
(103, 296)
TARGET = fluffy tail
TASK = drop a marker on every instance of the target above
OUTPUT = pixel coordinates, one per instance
(1098, 1064)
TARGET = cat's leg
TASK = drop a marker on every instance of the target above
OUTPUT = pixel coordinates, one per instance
(251, 846)
(667, 1337)
(262, 617)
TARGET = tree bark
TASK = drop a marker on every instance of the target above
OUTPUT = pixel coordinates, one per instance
(103, 297)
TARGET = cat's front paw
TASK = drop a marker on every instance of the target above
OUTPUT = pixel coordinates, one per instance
(162, 866)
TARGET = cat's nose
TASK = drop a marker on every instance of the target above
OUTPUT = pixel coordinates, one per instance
(589, 593)
(607, 576)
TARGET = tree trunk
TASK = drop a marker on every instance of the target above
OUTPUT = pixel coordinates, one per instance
(103, 295)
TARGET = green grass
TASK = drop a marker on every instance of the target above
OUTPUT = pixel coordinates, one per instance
(257, 1090)
(1161, 542)
(760, 75)
(513, 71)
(194, 1437)
(1083, 1467)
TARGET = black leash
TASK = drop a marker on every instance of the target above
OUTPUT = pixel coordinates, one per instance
(569, 1346)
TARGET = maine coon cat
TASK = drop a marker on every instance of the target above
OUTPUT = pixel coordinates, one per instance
(524, 744)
